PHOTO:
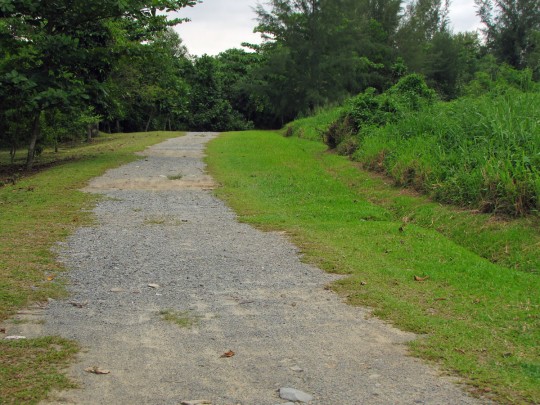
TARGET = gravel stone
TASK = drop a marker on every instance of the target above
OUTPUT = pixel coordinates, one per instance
(234, 284)
(292, 394)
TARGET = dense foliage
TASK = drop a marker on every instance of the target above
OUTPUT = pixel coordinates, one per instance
(481, 150)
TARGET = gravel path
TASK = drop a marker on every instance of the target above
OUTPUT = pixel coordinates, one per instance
(242, 290)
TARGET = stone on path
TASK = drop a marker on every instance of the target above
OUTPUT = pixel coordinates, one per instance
(291, 394)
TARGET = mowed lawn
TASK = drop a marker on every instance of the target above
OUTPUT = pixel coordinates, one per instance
(474, 318)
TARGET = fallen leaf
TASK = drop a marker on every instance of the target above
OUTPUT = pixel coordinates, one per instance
(487, 389)
(420, 279)
(51, 278)
(117, 290)
(97, 370)
(153, 285)
(79, 304)
(230, 353)
(197, 402)
(441, 299)
(363, 283)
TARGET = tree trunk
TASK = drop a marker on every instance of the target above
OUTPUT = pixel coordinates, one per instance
(149, 121)
(12, 152)
(89, 131)
(150, 118)
(33, 139)
(118, 129)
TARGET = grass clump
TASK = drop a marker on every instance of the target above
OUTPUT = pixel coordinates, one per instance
(175, 177)
(30, 369)
(480, 320)
(184, 319)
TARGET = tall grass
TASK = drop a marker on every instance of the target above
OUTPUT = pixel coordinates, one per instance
(481, 152)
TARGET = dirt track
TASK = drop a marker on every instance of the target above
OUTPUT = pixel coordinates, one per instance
(170, 245)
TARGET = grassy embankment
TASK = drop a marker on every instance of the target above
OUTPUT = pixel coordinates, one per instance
(481, 151)
(476, 318)
(38, 211)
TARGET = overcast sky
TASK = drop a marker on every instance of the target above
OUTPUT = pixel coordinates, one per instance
(217, 25)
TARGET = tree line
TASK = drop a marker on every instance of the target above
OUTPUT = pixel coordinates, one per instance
(70, 67)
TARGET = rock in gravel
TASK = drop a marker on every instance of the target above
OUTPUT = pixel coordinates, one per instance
(153, 285)
(297, 369)
(291, 394)
(15, 337)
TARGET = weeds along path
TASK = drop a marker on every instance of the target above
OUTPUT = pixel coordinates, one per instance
(167, 282)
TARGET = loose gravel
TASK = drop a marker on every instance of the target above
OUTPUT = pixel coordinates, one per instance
(258, 318)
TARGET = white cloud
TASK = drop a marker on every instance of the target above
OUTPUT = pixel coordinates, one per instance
(217, 25)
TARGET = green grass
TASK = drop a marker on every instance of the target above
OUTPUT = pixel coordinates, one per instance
(39, 210)
(30, 368)
(184, 319)
(313, 127)
(478, 319)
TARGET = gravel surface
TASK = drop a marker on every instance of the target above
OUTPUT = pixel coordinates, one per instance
(164, 245)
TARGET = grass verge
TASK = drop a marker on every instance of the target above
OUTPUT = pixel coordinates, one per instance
(38, 211)
(477, 319)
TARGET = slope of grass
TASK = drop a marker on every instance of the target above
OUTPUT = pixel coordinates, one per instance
(314, 127)
(38, 211)
(478, 319)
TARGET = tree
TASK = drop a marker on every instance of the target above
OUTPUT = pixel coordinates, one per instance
(512, 28)
(55, 53)
(319, 52)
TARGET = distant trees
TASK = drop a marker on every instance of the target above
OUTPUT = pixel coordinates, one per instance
(512, 29)
(319, 51)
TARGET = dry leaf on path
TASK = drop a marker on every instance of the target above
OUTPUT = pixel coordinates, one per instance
(197, 402)
(230, 353)
(96, 370)
(51, 278)
(79, 304)
(420, 279)
(153, 285)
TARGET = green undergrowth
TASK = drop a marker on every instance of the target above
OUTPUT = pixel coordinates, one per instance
(481, 151)
(476, 318)
(39, 210)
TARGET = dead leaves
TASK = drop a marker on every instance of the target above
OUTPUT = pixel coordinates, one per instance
(97, 370)
(197, 402)
(228, 354)
(420, 279)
